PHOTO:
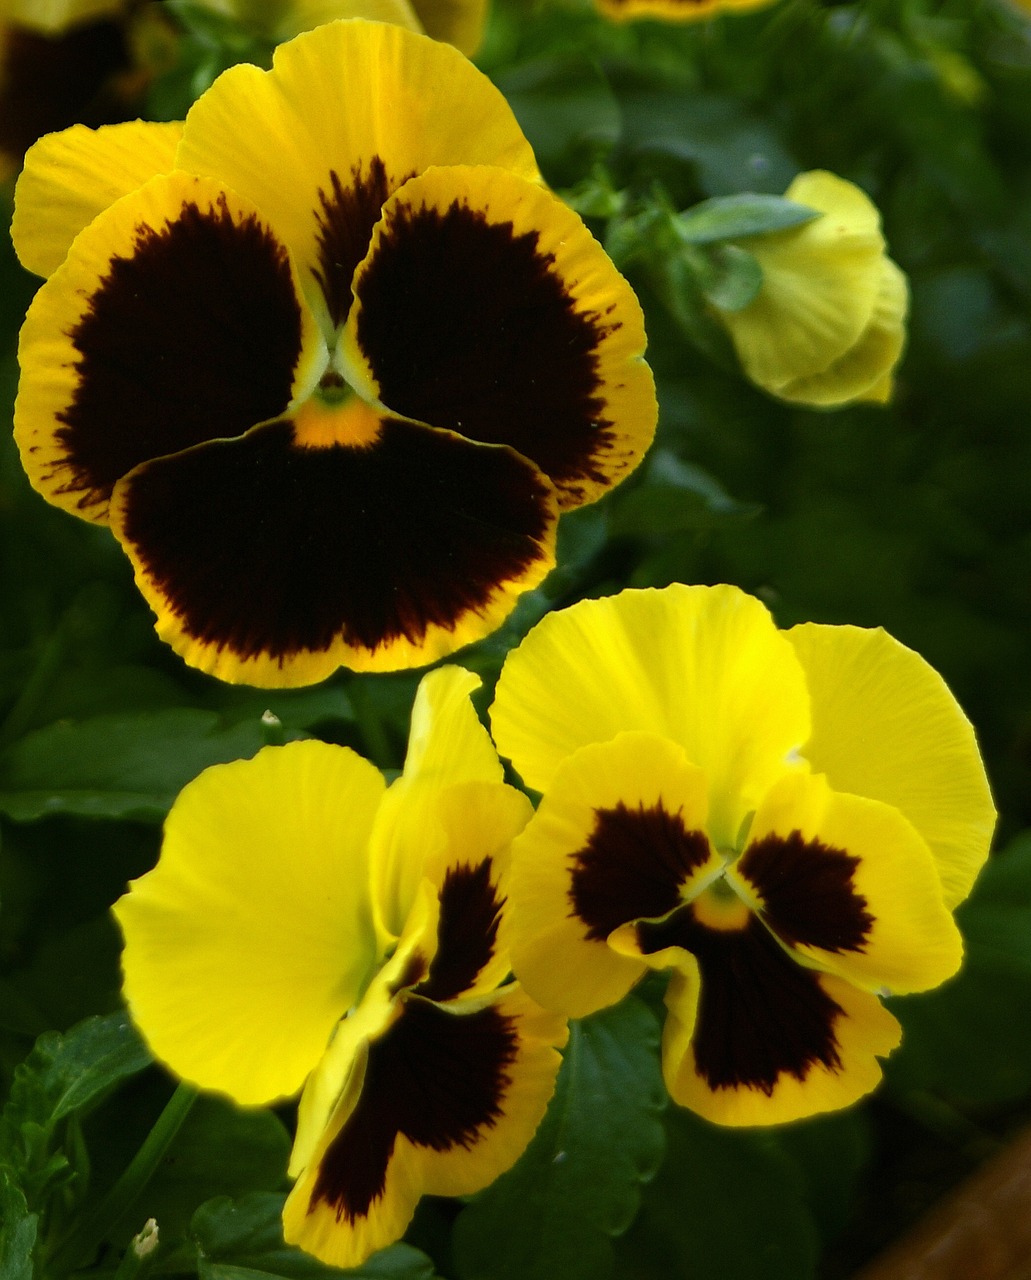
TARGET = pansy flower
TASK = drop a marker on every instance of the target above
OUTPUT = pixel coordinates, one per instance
(783, 821)
(308, 926)
(327, 358)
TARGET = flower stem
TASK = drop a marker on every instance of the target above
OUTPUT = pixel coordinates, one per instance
(77, 1248)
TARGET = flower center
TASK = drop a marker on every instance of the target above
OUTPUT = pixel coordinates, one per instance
(334, 414)
(718, 906)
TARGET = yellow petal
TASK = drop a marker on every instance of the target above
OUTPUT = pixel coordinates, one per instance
(703, 666)
(862, 1030)
(486, 307)
(848, 884)
(54, 16)
(348, 112)
(618, 837)
(69, 177)
(459, 22)
(886, 726)
(820, 285)
(673, 10)
(864, 371)
(253, 935)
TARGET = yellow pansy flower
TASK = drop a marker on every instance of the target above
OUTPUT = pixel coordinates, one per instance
(782, 820)
(328, 357)
(308, 926)
(829, 322)
(675, 10)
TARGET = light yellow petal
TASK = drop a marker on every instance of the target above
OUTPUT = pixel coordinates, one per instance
(70, 177)
(864, 371)
(851, 887)
(886, 726)
(304, 15)
(52, 17)
(703, 666)
(820, 285)
(348, 112)
(618, 837)
(253, 935)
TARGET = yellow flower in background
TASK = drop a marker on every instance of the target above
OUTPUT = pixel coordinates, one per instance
(782, 820)
(459, 22)
(675, 10)
(829, 322)
(308, 926)
(328, 358)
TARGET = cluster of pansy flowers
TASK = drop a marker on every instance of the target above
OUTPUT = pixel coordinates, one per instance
(781, 821)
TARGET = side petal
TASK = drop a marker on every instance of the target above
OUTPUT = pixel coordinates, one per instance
(704, 666)
(813, 1049)
(347, 113)
(448, 1101)
(272, 563)
(486, 306)
(886, 726)
(70, 177)
(618, 837)
(848, 884)
(253, 935)
(175, 319)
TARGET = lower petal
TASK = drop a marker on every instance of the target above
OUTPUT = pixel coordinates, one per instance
(273, 564)
(448, 1101)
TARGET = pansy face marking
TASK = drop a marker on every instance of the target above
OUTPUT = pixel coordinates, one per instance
(696, 819)
(329, 371)
(331, 933)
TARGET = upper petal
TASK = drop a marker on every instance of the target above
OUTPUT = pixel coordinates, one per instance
(272, 562)
(886, 726)
(704, 666)
(69, 177)
(253, 935)
(487, 307)
(174, 319)
(348, 112)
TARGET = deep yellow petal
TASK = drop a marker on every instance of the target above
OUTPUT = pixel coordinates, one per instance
(486, 307)
(852, 887)
(863, 1030)
(703, 666)
(348, 112)
(69, 177)
(886, 726)
(253, 935)
(134, 349)
(619, 836)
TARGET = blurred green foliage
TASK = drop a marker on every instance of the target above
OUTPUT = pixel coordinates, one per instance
(913, 517)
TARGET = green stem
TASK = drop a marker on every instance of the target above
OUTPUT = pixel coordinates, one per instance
(77, 1249)
(47, 665)
(369, 721)
(946, 1123)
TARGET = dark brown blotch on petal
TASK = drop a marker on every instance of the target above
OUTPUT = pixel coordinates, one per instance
(193, 337)
(436, 1078)
(807, 892)
(467, 325)
(261, 547)
(632, 867)
(467, 932)
(50, 82)
(760, 1014)
(349, 211)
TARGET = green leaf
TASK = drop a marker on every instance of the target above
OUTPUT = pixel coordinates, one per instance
(243, 1240)
(676, 497)
(969, 1038)
(579, 1182)
(727, 1204)
(748, 214)
(117, 766)
(17, 1231)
